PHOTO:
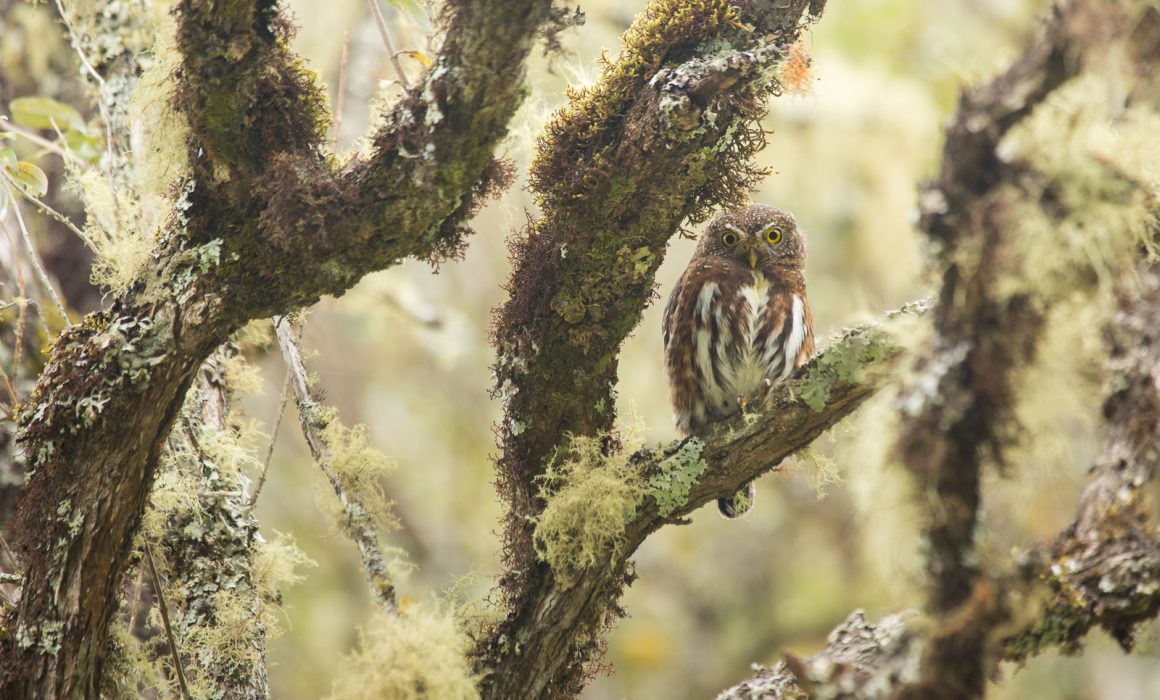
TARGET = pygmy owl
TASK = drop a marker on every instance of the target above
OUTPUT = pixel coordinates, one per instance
(737, 321)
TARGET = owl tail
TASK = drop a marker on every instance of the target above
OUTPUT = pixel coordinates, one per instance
(739, 503)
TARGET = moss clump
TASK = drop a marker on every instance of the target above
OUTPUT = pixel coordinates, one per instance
(667, 30)
(843, 361)
(678, 472)
(415, 655)
(590, 496)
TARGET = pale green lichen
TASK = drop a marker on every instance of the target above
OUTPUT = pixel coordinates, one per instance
(676, 475)
(1099, 190)
(844, 361)
(359, 468)
(590, 496)
(418, 654)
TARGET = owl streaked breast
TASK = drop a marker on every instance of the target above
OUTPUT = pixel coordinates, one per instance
(738, 316)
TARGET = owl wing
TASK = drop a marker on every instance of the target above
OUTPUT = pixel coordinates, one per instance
(785, 331)
(702, 335)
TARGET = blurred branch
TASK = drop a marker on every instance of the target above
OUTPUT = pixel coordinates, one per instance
(958, 412)
(357, 521)
(1105, 568)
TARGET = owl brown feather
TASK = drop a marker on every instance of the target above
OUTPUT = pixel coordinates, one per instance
(737, 320)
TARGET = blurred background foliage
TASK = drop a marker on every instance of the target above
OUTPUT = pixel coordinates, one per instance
(406, 352)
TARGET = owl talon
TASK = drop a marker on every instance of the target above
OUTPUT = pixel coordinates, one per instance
(766, 385)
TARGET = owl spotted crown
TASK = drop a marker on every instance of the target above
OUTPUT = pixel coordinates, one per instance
(737, 320)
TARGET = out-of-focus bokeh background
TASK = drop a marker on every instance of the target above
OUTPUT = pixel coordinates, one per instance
(406, 352)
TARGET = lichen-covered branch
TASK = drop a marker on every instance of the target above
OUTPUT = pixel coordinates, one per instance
(959, 413)
(210, 550)
(1104, 570)
(357, 518)
(262, 222)
(665, 134)
(858, 656)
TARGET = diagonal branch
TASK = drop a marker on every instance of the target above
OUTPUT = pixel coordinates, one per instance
(358, 520)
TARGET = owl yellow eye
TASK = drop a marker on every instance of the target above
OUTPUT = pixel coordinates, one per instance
(729, 239)
(773, 235)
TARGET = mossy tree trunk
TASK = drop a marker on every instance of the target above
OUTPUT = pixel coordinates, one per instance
(268, 224)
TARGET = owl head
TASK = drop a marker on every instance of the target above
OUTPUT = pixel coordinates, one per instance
(755, 236)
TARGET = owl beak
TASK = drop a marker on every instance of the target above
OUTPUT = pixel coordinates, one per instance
(752, 258)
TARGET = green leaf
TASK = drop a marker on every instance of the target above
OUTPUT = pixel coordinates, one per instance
(8, 159)
(415, 13)
(41, 112)
(83, 146)
(32, 177)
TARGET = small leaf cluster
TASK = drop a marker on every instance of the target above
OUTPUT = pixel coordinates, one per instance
(35, 113)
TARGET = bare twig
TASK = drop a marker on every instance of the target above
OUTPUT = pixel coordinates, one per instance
(164, 609)
(62, 219)
(34, 258)
(285, 397)
(385, 32)
(44, 143)
(340, 98)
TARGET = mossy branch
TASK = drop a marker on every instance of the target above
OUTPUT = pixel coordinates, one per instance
(728, 454)
(262, 223)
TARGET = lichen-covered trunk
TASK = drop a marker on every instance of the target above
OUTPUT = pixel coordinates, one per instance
(98, 427)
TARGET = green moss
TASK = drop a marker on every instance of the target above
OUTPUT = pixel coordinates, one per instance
(666, 29)
(677, 474)
(589, 497)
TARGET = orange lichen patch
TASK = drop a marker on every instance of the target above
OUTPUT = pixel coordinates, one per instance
(795, 75)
